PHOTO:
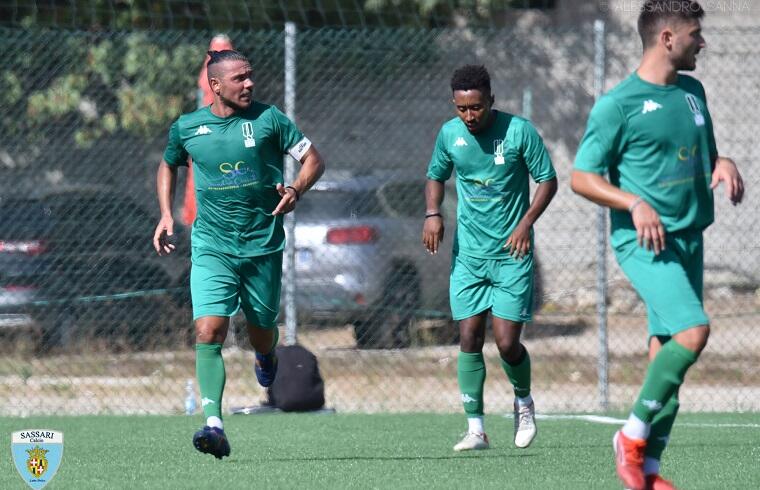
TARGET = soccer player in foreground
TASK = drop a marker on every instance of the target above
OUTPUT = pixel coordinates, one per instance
(237, 147)
(494, 153)
(654, 136)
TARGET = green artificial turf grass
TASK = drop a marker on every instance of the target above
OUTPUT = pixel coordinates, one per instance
(378, 451)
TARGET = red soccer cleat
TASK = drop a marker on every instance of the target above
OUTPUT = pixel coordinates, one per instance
(656, 482)
(629, 460)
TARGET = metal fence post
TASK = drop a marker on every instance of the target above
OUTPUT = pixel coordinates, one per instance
(601, 238)
(527, 103)
(289, 264)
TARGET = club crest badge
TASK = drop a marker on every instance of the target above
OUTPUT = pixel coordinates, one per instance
(248, 139)
(699, 118)
(37, 455)
(498, 152)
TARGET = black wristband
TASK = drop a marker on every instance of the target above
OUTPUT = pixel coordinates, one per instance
(298, 196)
(433, 215)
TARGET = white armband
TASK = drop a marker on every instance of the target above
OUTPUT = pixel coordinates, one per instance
(300, 149)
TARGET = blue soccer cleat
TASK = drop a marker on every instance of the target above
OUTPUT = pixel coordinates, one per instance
(266, 368)
(212, 440)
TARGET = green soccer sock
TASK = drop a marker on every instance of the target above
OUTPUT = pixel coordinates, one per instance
(664, 376)
(209, 367)
(519, 374)
(471, 373)
(662, 423)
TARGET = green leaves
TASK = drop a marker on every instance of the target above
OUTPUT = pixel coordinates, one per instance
(90, 87)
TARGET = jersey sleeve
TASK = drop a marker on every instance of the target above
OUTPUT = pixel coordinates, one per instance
(440, 166)
(601, 145)
(291, 139)
(535, 155)
(711, 145)
(175, 153)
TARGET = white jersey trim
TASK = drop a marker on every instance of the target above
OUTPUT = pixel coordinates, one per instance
(300, 149)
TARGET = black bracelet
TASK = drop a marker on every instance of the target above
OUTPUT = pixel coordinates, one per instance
(298, 196)
(433, 215)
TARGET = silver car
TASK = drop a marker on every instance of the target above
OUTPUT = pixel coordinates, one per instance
(360, 258)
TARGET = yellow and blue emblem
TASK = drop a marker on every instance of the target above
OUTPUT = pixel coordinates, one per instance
(37, 454)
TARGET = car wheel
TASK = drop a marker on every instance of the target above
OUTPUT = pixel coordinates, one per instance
(56, 329)
(388, 325)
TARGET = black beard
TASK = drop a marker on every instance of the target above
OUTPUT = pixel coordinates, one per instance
(232, 104)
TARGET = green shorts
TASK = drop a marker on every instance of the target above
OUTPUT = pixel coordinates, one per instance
(221, 284)
(670, 284)
(504, 286)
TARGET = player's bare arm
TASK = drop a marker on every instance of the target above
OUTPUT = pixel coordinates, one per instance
(432, 229)
(166, 182)
(727, 172)
(595, 188)
(518, 242)
(312, 168)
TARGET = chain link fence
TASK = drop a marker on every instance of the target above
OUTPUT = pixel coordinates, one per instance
(92, 321)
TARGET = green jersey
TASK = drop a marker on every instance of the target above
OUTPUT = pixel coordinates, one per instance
(492, 169)
(656, 141)
(237, 162)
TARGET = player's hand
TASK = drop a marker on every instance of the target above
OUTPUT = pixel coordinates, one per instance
(432, 233)
(518, 243)
(726, 171)
(649, 230)
(287, 202)
(163, 237)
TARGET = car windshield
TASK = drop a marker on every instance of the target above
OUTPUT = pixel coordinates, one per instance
(323, 205)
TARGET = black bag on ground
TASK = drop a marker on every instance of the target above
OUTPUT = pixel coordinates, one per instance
(298, 386)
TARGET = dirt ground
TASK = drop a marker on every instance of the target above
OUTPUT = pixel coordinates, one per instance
(422, 378)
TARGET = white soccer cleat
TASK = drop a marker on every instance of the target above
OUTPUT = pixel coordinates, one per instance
(471, 441)
(525, 425)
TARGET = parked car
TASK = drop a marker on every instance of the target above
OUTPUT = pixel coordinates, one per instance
(79, 263)
(360, 258)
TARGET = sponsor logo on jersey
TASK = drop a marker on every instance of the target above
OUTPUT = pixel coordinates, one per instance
(650, 106)
(202, 129)
(233, 176)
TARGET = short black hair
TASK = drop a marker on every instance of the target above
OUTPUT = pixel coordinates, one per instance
(215, 57)
(655, 13)
(471, 77)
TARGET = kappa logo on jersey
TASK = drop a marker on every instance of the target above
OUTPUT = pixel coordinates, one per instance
(202, 129)
(247, 128)
(650, 106)
(460, 142)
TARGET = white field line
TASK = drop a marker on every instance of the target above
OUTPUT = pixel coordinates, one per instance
(599, 419)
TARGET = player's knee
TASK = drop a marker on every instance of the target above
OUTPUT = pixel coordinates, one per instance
(695, 338)
(470, 341)
(210, 332)
(509, 349)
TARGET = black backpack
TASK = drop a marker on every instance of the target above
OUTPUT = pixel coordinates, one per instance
(298, 386)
